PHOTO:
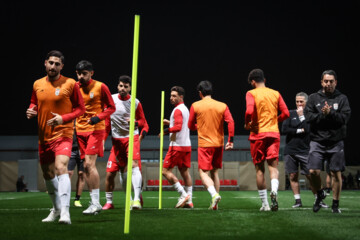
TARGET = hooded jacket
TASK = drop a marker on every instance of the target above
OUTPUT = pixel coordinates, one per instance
(331, 128)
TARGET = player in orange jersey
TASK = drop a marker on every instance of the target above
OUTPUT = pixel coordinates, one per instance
(207, 116)
(90, 128)
(56, 101)
(261, 118)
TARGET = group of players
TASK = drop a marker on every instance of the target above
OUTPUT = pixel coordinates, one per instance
(314, 133)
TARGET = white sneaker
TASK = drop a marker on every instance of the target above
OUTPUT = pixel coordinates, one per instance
(65, 217)
(265, 208)
(93, 209)
(52, 216)
(182, 200)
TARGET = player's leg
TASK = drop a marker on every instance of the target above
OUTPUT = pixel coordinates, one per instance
(315, 164)
(112, 167)
(261, 185)
(136, 180)
(61, 162)
(109, 189)
(291, 168)
(79, 188)
(171, 159)
(52, 185)
(185, 173)
(336, 166)
(93, 181)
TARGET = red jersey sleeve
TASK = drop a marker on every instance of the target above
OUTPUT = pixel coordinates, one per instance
(145, 129)
(140, 116)
(283, 109)
(230, 122)
(178, 121)
(108, 101)
(192, 119)
(33, 100)
(78, 105)
(250, 107)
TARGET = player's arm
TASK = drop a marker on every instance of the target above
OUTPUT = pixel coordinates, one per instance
(283, 109)
(77, 103)
(32, 110)
(144, 131)
(192, 120)
(139, 116)
(250, 108)
(178, 121)
(231, 128)
(108, 101)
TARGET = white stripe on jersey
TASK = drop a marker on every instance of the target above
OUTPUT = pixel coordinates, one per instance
(120, 118)
(181, 138)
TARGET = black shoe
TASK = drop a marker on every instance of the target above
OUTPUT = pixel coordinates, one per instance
(297, 203)
(335, 206)
(320, 196)
(328, 191)
(336, 210)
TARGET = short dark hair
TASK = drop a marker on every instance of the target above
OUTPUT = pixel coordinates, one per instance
(84, 65)
(179, 90)
(257, 75)
(125, 79)
(205, 87)
(329, 72)
(56, 53)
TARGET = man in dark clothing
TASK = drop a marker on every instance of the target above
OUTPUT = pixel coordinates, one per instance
(328, 111)
(297, 131)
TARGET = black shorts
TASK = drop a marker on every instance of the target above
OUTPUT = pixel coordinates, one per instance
(76, 161)
(293, 161)
(333, 154)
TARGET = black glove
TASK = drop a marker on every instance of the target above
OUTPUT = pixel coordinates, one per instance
(94, 120)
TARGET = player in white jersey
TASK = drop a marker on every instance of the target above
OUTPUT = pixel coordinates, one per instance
(120, 124)
(179, 153)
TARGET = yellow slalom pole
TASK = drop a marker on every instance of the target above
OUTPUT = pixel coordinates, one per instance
(132, 123)
(161, 146)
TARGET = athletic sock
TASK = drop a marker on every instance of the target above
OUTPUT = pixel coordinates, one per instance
(297, 196)
(274, 185)
(263, 197)
(109, 197)
(95, 196)
(77, 197)
(52, 188)
(136, 181)
(212, 191)
(179, 188)
(64, 190)
(188, 190)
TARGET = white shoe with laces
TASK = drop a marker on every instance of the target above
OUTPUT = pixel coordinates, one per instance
(52, 216)
(65, 217)
(93, 209)
(265, 208)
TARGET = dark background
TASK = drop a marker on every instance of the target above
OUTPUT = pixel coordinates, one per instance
(182, 44)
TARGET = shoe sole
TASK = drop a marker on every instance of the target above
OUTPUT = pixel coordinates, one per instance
(93, 213)
(274, 203)
(182, 204)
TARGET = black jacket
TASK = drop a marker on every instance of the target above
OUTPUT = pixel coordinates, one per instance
(296, 143)
(328, 129)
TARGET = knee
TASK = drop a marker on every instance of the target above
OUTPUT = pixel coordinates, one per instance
(293, 177)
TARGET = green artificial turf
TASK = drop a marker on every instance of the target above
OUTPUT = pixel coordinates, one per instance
(238, 217)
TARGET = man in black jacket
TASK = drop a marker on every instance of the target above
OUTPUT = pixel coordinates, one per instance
(328, 111)
(296, 152)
